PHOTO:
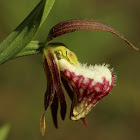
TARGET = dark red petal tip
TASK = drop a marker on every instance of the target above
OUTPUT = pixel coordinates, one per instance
(84, 122)
(42, 124)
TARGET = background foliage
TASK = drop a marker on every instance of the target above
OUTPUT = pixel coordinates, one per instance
(23, 83)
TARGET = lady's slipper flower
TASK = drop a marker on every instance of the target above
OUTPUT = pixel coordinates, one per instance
(85, 85)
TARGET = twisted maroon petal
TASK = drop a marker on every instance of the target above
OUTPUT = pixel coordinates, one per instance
(54, 109)
(42, 124)
(49, 95)
(57, 83)
(83, 24)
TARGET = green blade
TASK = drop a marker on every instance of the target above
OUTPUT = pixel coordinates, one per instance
(4, 131)
(25, 32)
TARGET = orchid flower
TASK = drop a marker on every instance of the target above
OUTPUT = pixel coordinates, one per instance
(86, 85)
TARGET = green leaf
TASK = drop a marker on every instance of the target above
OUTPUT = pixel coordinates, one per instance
(25, 32)
(4, 131)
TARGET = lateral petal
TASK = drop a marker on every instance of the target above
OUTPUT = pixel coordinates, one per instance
(53, 64)
(54, 110)
(50, 91)
(49, 95)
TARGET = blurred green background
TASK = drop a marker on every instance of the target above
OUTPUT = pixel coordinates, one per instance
(23, 83)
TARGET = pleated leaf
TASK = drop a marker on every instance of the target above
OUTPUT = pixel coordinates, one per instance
(25, 32)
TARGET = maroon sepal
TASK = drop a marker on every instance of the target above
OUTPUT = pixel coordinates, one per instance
(83, 24)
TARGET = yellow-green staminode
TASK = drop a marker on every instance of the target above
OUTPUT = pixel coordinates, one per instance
(62, 52)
